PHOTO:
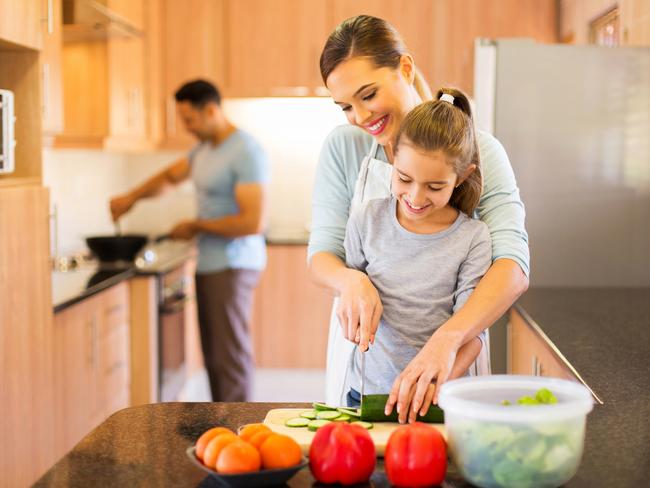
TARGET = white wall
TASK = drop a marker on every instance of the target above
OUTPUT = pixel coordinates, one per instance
(291, 130)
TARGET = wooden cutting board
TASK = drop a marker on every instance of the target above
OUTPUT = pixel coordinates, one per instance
(379, 433)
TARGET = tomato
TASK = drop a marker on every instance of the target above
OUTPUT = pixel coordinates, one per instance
(416, 455)
(342, 453)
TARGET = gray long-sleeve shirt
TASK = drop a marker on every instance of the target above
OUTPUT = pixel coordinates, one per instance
(422, 279)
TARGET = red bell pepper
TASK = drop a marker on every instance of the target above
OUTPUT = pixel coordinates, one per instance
(342, 453)
(416, 455)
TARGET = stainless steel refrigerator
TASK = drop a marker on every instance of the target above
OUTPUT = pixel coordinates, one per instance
(575, 122)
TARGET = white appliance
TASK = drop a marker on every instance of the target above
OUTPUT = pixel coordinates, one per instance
(575, 122)
(7, 140)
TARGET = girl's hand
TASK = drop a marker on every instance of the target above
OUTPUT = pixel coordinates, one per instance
(359, 309)
(413, 391)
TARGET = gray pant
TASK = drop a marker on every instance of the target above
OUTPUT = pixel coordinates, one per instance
(224, 302)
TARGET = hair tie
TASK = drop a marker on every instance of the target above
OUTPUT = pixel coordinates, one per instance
(446, 97)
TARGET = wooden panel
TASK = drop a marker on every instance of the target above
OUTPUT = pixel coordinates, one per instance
(19, 72)
(85, 94)
(275, 51)
(144, 340)
(20, 21)
(26, 395)
(190, 53)
(115, 307)
(131, 10)
(528, 354)
(193, 352)
(52, 72)
(441, 34)
(290, 321)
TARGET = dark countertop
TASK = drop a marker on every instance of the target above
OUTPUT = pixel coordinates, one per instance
(72, 286)
(605, 333)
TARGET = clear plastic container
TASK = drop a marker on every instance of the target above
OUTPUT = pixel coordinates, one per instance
(495, 445)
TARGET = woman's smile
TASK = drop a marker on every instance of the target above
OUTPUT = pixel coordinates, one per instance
(414, 209)
(377, 126)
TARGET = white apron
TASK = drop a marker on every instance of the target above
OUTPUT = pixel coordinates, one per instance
(373, 182)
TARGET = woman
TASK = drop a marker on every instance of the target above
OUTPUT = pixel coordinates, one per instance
(373, 78)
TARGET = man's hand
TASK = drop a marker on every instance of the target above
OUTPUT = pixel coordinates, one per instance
(184, 230)
(121, 205)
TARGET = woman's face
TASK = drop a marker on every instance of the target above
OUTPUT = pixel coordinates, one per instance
(423, 182)
(375, 99)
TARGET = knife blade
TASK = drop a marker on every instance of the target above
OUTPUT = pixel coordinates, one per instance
(363, 373)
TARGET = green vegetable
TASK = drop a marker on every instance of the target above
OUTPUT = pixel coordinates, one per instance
(310, 414)
(344, 417)
(543, 396)
(516, 455)
(321, 406)
(352, 412)
(373, 411)
(328, 414)
(314, 425)
(360, 423)
(297, 422)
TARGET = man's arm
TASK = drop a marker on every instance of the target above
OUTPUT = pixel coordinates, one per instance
(170, 176)
(251, 200)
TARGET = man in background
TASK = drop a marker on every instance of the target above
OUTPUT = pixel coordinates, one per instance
(230, 172)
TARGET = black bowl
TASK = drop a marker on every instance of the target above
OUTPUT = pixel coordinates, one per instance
(263, 477)
(116, 248)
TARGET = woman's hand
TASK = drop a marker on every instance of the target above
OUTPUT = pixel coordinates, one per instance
(413, 391)
(121, 205)
(359, 309)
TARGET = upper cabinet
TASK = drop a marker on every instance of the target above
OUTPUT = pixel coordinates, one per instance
(20, 21)
(52, 69)
(273, 47)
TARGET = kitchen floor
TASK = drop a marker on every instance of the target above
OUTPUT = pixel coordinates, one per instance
(270, 385)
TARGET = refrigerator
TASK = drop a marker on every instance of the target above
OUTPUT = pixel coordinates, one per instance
(575, 122)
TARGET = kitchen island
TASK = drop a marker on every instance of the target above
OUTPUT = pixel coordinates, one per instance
(603, 333)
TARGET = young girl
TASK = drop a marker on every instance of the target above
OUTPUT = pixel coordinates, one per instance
(420, 247)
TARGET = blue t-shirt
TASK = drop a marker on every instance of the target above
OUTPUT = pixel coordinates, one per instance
(216, 170)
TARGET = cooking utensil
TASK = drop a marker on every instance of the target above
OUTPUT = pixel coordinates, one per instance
(116, 248)
(363, 375)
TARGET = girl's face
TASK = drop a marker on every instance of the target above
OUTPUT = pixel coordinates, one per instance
(423, 182)
(375, 99)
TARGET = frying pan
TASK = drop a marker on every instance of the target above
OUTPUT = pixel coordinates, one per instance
(116, 248)
(119, 248)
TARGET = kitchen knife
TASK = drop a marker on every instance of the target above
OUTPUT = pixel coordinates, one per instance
(363, 375)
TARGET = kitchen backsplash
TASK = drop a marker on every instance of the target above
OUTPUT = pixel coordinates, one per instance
(290, 130)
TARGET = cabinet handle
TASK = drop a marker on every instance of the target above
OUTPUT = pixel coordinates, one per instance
(171, 116)
(49, 16)
(536, 367)
(46, 90)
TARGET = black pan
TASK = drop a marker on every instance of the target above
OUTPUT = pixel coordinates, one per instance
(116, 248)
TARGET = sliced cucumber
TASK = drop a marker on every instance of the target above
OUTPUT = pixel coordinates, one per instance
(310, 414)
(297, 422)
(328, 414)
(321, 406)
(344, 417)
(314, 425)
(373, 411)
(352, 412)
(360, 423)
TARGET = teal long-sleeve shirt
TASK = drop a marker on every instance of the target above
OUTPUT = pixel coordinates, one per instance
(345, 147)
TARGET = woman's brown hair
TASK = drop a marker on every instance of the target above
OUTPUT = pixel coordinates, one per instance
(371, 37)
(448, 127)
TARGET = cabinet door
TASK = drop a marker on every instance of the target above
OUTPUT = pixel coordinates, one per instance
(20, 21)
(193, 46)
(52, 70)
(26, 387)
(273, 47)
(75, 366)
(529, 354)
(291, 314)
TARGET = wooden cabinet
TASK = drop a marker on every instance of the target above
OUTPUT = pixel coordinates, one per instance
(20, 21)
(91, 364)
(192, 44)
(291, 314)
(52, 70)
(530, 354)
(26, 387)
(126, 82)
(441, 33)
(273, 47)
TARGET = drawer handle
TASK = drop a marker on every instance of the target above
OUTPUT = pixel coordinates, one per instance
(536, 369)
